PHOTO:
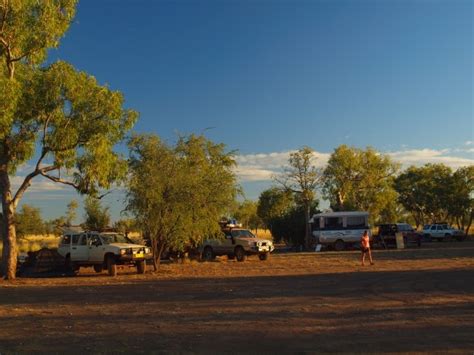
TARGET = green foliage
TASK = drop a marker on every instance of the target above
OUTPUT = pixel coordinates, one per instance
(63, 114)
(461, 204)
(301, 178)
(290, 227)
(125, 226)
(284, 214)
(178, 193)
(71, 212)
(246, 213)
(273, 203)
(357, 179)
(30, 27)
(75, 121)
(96, 216)
(29, 222)
(433, 193)
(56, 226)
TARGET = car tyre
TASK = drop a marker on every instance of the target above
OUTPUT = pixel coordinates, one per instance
(264, 256)
(208, 254)
(339, 245)
(98, 268)
(240, 254)
(141, 267)
(111, 266)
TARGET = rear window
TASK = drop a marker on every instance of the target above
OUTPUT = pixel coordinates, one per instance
(75, 238)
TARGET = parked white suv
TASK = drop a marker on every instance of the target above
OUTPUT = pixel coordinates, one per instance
(102, 251)
(237, 243)
(441, 232)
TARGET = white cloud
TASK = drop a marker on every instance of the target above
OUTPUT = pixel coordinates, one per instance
(263, 166)
(420, 157)
(469, 143)
(38, 184)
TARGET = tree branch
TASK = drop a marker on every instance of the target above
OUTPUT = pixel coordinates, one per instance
(59, 180)
(4, 17)
(27, 181)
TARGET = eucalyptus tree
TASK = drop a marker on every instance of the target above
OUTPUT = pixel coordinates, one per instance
(177, 193)
(358, 179)
(461, 206)
(61, 118)
(274, 203)
(97, 217)
(301, 177)
(434, 193)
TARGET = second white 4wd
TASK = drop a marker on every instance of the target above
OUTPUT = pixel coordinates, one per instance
(237, 243)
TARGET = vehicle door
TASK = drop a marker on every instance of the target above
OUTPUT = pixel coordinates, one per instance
(96, 248)
(79, 251)
(440, 232)
(434, 232)
(227, 244)
(65, 245)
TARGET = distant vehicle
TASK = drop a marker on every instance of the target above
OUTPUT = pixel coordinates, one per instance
(441, 232)
(386, 234)
(236, 243)
(102, 251)
(339, 229)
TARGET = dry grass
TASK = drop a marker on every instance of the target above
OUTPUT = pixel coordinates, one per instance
(416, 300)
(36, 242)
(262, 233)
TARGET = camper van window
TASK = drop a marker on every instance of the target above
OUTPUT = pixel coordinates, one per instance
(333, 223)
(356, 222)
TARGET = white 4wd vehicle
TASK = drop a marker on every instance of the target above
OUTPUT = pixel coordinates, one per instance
(102, 251)
(237, 243)
(441, 232)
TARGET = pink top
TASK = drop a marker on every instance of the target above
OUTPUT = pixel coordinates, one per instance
(364, 241)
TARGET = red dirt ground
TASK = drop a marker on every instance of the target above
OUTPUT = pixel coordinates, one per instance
(414, 300)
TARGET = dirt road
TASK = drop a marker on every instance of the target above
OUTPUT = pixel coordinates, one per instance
(409, 301)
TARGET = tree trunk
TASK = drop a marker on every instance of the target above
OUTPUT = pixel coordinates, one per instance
(307, 238)
(9, 254)
(157, 251)
(469, 224)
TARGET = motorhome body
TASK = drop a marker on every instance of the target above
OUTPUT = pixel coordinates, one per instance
(339, 229)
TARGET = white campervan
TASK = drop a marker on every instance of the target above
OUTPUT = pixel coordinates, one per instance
(339, 229)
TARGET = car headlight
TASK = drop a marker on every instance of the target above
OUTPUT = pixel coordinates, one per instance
(147, 250)
(123, 251)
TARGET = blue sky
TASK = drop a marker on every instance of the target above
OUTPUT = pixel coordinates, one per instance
(272, 76)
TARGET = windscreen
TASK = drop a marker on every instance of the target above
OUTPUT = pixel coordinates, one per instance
(114, 238)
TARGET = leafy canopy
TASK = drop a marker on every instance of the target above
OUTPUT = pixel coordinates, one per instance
(434, 193)
(178, 193)
(357, 179)
(96, 217)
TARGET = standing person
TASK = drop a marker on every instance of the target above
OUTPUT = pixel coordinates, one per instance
(365, 248)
